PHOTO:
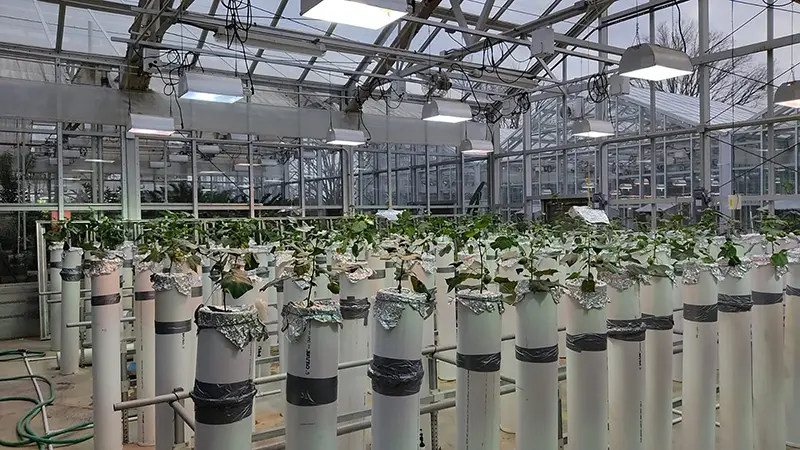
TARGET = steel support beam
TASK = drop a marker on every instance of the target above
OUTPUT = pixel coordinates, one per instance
(273, 23)
(62, 11)
(638, 10)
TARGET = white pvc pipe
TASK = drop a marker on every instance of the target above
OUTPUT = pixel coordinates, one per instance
(195, 300)
(70, 311)
(508, 366)
(172, 323)
(699, 361)
(86, 355)
(769, 407)
(625, 368)
(537, 372)
(106, 370)
(395, 407)
(144, 307)
(221, 368)
(445, 313)
(792, 354)
(478, 375)
(735, 364)
(55, 309)
(657, 309)
(353, 346)
(87, 303)
(587, 372)
(209, 294)
(428, 340)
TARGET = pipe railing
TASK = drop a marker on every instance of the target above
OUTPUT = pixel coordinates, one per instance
(88, 323)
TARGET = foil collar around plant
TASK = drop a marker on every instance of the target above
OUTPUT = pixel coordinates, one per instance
(480, 302)
(754, 240)
(765, 260)
(140, 265)
(102, 266)
(469, 260)
(390, 304)
(509, 259)
(692, 269)
(296, 317)
(239, 324)
(77, 250)
(258, 274)
(618, 281)
(794, 256)
(427, 261)
(180, 281)
(354, 271)
(738, 271)
(55, 245)
(588, 300)
(523, 288)
(127, 249)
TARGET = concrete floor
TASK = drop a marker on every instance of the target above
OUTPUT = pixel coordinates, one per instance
(73, 402)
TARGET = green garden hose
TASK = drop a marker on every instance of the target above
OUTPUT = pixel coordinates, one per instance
(25, 433)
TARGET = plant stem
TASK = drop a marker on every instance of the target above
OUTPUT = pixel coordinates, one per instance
(400, 276)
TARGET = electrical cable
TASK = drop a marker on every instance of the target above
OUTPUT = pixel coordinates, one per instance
(25, 432)
(598, 87)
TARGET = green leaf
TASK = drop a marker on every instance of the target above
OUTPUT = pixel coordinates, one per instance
(545, 273)
(574, 275)
(445, 250)
(588, 285)
(457, 280)
(503, 243)
(333, 286)
(780, 259)
(250, 262)
(570, 259)
(236, 283)
(418, 286)
(508, 287)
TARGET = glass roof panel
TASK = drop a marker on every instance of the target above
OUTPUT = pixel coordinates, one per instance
(20, 23)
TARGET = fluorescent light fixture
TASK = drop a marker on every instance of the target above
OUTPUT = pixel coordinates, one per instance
(343, 136)
(654, 62)
(71, 179)
(247, 164)
(592, 128)
(83, 170)
(476, 147)
(272, 181)
(372, 14)
(679, 182)
(646, 181)
(625, 187)
(152, 125)
(208, 88)
(448, 111)
(210, 172)
(208, 149)
(267, 41)
(179, 158)
(788, 94)
(660, 187)
(157, 164)
(547, 192)
(99, 161)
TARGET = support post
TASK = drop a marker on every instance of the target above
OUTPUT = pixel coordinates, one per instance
(445, 310)
(144, 331)
(70, 310)
(792, 348)
(55, 308)
(657, 313)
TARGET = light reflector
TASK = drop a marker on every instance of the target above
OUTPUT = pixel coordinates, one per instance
(788, 94)
(151, 125)
(99, 161)
(207, 88)
(476, 147)
(372, 14)
(448, 111)
(592, 128)
(343, 136)
(654, 63)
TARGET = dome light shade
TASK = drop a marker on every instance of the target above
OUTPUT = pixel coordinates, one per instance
(152, 125)
(788, 94)
(208, 88)
(476, 147)
(344, 136)
(592, 128)
(654, 63)
(448, 111)
(372, 14)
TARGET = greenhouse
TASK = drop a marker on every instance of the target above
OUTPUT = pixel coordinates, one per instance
(399, 224)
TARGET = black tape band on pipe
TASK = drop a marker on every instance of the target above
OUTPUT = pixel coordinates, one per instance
(197, 291)
(221, 404)
(302, 391)
(54, 264)
(127, 264)
(792, 291)
(479, 363)
(658, 323)
(102, 300)
(71, 274)
(700, 313)
(587, 342)
(448, 269)
(206, 269)
(395, 377)
(378, 275)
(183, 326)
(389, 264)
(767, 298)
(539, 355)
(734, 303)
(354, 308)
(630, 330)
(279, 287)
(144, 295)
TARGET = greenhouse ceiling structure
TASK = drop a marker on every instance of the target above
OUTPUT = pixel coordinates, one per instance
(106, 107)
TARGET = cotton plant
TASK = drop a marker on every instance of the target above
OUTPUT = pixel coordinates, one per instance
(469, 237)
(306, 243)
(171, 239)
(529, 249)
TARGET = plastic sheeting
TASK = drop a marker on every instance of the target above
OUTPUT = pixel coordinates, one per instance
(631, 330)
(395, 377)
(489, 362)
(734, 303)
(587, 342)
(220, 404)
(537, 355)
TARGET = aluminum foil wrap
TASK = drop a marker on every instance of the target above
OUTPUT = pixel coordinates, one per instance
(509, 259)
(258, 274)
(355, 271)
(618, 281)
(296, 317)
(103, 266)
(140, 265)
(239, 324)
(764, 260)
(470, 261)
(427, 261)
(523, 288)
(181, 282)
(754, 241)
(590, 215)
(75, 249)
(588, 300)
(283, 259)
(692, 269)
(56, 245)
(794, 256)
(127, 249)
(390, 304)
(738, 271)
(481, 302)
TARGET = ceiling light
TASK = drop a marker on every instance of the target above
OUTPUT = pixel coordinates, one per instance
(625, 186)
(343, 136)
(547, 192)
(448, 111)
(71, 179)
(209, 172)
(660, 187)
(267, 41)
(788, 94)
(680, 182)
(179, 158)
(157, 164)
(208, 150)
(247, 164)
(654, 62)
(208, 88)
(372, 14)
(152, 125)
(646, 181)
(83, 170)
(99, 161)
(476, 147)
(272, 181)
(592, 128)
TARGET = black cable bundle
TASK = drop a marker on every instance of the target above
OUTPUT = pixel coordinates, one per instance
(598, 87)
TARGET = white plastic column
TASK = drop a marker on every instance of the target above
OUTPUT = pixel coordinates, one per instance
(106, 367)
(508, 367)
(87, 301)
(445, 314)
(70, 311)
(587, 368)
(55, 309)
(397, 350)
(536, 355)
(209, 296)
(223, 367)
(792, 348)
(699, 359)
(195, 300)
(626, 336)
(311, 386)
(769, 404)
(735, 361)
(657, 303)
(353, 346)
(173, 323)
(478, 373)
(429, 278)
(127, 278)
(144, 307)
